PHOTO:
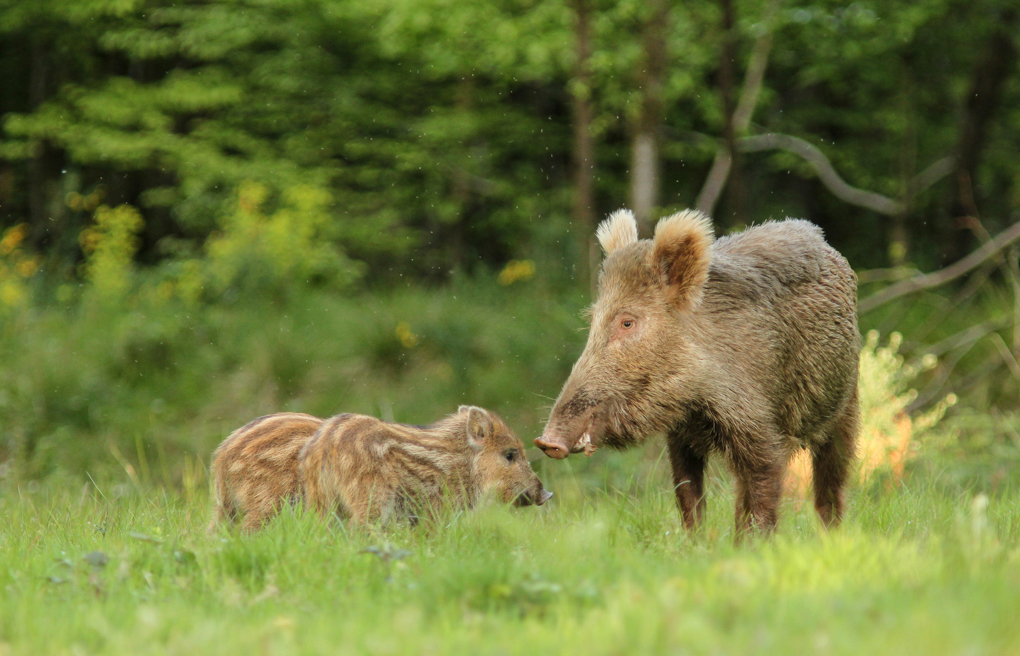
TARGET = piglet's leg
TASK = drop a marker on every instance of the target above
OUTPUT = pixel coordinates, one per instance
(688, 481)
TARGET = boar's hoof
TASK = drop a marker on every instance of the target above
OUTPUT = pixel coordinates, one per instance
(551, 449)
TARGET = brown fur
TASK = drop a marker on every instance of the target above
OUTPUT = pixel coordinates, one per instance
(748, 346)
(255, 470)
(371, 471)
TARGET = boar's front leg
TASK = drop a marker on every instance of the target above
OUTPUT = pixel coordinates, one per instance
(758, 464)
(688, 480)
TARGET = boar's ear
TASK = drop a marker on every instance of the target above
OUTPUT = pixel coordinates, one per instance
(619, 230)
(478, 424)
(683, 250)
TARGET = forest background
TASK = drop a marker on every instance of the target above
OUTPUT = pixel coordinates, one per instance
(215, 210)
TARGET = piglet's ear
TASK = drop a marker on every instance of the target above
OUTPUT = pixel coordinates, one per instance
(619, 230)
(478, 424)
(682, 249)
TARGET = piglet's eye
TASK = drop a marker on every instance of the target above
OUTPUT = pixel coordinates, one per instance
(510, 455)
(628, 324)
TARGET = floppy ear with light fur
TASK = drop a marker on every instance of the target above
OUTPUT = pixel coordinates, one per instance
(682, 248)
(478, 423)
(619, 230)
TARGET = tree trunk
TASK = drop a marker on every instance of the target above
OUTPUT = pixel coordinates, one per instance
(45, 200)
(992, 71)
(715, 181)
(584, 144)
(461, 183)
(734, 186)
(645, 162)
(899, 228)
(37, 203)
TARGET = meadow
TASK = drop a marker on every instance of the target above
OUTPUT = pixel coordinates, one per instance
(111, 401)
(927, 567)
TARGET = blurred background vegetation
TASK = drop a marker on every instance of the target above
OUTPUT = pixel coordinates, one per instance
(219, 209)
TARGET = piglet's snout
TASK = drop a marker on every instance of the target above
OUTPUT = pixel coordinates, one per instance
(534, 497)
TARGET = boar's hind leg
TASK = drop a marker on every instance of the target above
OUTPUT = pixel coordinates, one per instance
(831, 464)
(688, 481)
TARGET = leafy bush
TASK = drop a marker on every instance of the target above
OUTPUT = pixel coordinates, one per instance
(191, 351)
(109, 248)
(292, 245)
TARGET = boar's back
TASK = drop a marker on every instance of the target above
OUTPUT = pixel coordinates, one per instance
(769, 261)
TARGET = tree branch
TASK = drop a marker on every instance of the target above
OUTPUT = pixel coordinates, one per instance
(939, 169)
(928, 281)
(828, 176)
(885, 275)
(820, 163)
(966, 336)
(749, 92)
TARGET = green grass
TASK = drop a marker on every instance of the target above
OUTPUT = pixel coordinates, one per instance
(925, 568)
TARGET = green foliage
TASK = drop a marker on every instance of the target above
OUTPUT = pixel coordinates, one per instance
(442, 129)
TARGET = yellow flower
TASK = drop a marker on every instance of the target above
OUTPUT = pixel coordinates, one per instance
(27, 266)
(12, 238)
(75, 201)
(516, 270)
(12, 293)
(404, 334)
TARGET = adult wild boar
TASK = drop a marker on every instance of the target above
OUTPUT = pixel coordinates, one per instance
(747, 345)
(370, 471)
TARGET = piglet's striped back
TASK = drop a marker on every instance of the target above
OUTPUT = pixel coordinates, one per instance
(367, 470)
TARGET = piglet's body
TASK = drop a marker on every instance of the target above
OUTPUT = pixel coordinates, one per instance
(746, 346)
(255, 470)
(370, 471)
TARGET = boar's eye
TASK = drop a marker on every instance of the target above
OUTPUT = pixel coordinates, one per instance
(625, 324)
(510, 455)
(626, 321)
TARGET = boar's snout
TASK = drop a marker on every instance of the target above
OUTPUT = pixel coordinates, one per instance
(552, 448)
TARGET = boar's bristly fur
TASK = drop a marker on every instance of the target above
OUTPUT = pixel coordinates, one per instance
(370, 471)
(617, 231)
(255, 470)
(747, 345)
